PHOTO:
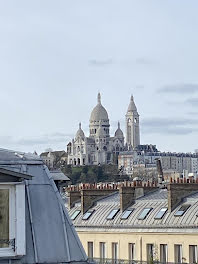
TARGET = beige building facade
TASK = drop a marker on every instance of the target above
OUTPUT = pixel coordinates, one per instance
(137, 222)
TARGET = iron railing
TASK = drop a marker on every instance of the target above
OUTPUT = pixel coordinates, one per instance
(124, 261)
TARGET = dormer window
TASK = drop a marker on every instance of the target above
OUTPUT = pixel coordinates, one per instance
(12, 213)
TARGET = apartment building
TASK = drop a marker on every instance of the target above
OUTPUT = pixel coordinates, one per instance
(137, 222)
(175, 162)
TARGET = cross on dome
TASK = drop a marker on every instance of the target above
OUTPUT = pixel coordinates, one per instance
(99, 98)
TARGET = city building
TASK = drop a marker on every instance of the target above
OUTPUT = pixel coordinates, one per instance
(34, 227)
(100, 147)
(54, 158)
(181, 163)
(137, 222)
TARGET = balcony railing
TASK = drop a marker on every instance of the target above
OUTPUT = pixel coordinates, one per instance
(124, 261)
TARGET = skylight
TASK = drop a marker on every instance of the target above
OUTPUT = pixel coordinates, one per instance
(182, 210)
(87, 215)
(75, 214)
(126, 214)
(112, 214)
(144, 213)
(161, 213)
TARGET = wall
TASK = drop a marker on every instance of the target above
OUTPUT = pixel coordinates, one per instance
(124, 238)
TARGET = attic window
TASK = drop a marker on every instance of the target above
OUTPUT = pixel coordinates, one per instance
(182, 210)
(87, 215)
(12, 216)
(144, 213)
(126, 214)
(161, 213)
(112, 214)
(75, 214)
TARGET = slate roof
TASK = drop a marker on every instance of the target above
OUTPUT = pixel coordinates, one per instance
(58, 175)
(155, 200)
(50, 234)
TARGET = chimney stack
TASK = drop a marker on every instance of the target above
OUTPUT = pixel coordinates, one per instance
(178, 191)
(74, 196)
(131, 191)
(91, 193)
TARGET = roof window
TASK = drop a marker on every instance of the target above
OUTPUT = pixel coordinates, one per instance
(87, 215)
(112, 214)
(144, 213)
(182, 210)
(161, 213)
(126, 214)
(75, 214)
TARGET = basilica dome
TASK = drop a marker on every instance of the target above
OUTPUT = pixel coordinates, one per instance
(119, 133)
(80, 132)
(99, 113)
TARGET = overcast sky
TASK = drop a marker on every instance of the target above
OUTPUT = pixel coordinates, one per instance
(56, 55)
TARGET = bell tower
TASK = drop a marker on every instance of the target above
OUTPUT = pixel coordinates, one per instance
(132, 125)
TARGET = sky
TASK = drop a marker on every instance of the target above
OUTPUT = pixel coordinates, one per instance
(55, 56)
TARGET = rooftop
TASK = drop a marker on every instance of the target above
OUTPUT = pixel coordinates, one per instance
(50, 235)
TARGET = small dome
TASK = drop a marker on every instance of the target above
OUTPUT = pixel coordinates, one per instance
(80, 132)
(119, 133)
(99, 112)
(100, 131)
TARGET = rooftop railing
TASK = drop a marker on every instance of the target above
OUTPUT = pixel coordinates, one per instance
(123, 261)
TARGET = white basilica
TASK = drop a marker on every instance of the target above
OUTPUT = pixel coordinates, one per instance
(100, 147)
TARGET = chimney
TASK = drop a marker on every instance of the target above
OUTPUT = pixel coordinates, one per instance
(129, 192)
(178, 191)
(160, 171)
(91, 193)
(127, 197)
(74, 196)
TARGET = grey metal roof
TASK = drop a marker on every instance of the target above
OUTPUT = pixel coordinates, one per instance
(155, 200)
(50, 234)
(59, 176)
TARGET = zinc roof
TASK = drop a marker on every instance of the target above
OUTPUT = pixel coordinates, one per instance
(50, 234)
(155, 200)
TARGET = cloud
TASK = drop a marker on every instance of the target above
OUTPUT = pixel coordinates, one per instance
(144, 61)
(192, 101)
(122, 62)
(187, 88)
(192, 113)
(174, 126)
(97, 62)
(46, 139)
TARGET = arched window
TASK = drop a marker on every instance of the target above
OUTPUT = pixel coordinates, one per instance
(105, 148)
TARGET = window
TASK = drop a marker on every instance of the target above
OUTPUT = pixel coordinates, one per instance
(178, 253)
(161, 213)
(149, 250)
(126, 214)
(4, 216)
(144, 213)
(102, 251)
(163, 253)
(87, 215)
(192, 254)
(114, 252)
(131, 252)
(90, 250)
(75, 214)
(112, 214)
(182, 210)
(12, 216)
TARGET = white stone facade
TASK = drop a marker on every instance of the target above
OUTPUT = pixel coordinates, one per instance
(100, 147)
